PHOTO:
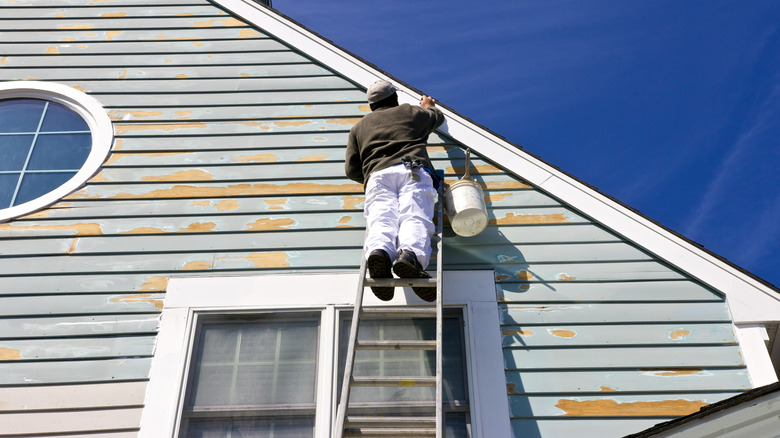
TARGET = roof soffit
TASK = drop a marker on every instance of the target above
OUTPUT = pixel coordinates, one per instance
(750, 299)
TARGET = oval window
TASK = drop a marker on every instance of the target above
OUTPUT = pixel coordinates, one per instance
(52, 139)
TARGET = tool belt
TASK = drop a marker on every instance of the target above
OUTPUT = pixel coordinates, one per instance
(415, 164)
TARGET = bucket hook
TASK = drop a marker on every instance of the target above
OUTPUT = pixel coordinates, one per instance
(468, 164)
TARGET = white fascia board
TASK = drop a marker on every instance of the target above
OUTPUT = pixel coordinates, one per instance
(750, 300)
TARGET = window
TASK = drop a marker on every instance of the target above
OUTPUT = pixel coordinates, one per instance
(253, 376)
(250, 361)
(52, 139)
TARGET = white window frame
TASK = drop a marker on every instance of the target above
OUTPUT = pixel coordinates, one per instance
(85, 106)
(187, 297)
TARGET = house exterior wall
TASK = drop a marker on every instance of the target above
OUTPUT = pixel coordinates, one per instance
(228, 159)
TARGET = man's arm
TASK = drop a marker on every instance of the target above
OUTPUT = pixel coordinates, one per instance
(353, 166)
(429, 103)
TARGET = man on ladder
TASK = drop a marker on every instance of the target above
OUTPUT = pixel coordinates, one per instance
(386, 152)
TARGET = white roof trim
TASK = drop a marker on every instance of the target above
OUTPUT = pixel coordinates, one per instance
(749, 299)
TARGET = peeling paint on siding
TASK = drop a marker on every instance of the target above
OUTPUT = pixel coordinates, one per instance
(517, 332)
(257, 158)
(607, 389)
(183, 191)
(76, 26)
(675, 372)
(568, 334)
(511, 389)
(343, 221)
(501, 185)
(198, 227)
(197, 266)
(286, 124)
(522, 219)
(276, 204)
(229, 22)
(679, 334)
(183, 175)
(139, 298)
(496, 197)
(248, 33)
(121, 129)
(110, 34)
(346, 121)
(73, 244)
(143, 230)
(351, 202)
(475, 170)
(313, 158)
(81, 229)
(265, 259)
(269, 224)
(10, 354)
(51, 51)
(610, 408)
(227, 205)
(153, 284)
(120, 114)
(564, 277)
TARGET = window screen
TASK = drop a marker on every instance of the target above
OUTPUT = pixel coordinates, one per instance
(253, 378)
(43, 144)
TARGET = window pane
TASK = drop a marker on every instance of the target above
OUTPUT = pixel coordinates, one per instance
(255, 363)
(7, 186)
(60, 118)
(14, 150)
(20, 115)
(293, 427)
(35, 185)
(60, 151)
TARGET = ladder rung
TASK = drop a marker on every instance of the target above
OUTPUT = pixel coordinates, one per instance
(403, 381)
(396, 345)
(398, 312)
(399, 282)
(404, 432)
(389, 421)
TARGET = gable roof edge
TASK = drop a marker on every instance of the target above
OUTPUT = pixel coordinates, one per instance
(751, 300)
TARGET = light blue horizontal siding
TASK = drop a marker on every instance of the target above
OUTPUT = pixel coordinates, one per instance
(229, 160)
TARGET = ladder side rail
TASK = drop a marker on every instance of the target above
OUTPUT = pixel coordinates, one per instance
(349, 363)
(440, 421)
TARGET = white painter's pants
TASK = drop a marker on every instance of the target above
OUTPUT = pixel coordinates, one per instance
(399, 212)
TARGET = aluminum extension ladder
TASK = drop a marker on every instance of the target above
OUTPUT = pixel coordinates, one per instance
(395, 426)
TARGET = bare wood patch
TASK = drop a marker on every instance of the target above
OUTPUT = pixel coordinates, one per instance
(81, 229)
(257, 158)
(10, 354)
(183, 175)
(153, 284)
(142, 298)
(269, 224)
(611, 408)
(563, 333)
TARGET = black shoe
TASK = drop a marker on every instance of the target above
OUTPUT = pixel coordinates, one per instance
(407, 266)
(379, 264)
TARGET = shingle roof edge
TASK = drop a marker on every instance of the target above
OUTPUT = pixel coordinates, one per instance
(708, 410)
(759, 302)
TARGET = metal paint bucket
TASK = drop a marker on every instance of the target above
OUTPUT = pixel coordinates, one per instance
(464, 202)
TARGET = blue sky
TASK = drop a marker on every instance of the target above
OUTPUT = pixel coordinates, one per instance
(672, 107)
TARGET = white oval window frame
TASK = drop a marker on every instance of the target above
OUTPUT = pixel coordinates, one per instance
(93, 113)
